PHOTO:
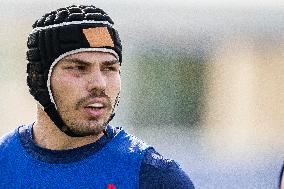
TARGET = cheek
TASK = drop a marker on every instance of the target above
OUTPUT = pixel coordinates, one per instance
(65, 88)
(114, 85)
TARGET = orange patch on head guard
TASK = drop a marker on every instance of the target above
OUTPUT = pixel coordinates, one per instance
(98, 37)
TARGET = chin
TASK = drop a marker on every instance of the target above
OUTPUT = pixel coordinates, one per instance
(86, 128)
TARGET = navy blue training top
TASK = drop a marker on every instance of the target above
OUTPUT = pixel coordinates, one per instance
(155, 170)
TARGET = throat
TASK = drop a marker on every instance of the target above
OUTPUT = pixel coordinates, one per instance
(46, 134)
(54, 139)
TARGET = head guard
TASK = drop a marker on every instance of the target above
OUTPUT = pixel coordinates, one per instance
(61, 33)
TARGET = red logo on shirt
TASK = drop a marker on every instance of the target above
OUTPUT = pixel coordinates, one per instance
(111, 186)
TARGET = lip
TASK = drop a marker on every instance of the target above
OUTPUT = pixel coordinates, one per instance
(96, 112)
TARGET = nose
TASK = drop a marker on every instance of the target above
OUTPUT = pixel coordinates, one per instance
(96, 81)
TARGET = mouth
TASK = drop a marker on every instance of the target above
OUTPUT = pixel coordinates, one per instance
(96, 109)
(96, 105)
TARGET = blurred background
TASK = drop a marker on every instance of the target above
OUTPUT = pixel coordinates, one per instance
(203, 82)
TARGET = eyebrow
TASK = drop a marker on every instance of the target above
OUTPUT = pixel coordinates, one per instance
(82, 62)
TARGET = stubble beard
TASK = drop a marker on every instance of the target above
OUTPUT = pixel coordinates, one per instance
(85, 127)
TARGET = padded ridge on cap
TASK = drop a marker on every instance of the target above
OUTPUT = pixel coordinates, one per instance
(72, 13)
(90, 10)
(61, 16)
(49, 20)
(75, 10)
(76, 17)
(32, 40)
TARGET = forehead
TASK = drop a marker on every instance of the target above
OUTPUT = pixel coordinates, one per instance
(91, 57)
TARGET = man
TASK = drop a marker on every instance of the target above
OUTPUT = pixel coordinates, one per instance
(74, 56)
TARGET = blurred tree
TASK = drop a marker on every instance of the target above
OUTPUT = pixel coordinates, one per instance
(168, 90)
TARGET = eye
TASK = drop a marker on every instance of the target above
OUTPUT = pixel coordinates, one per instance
(80, 67)
(110, 68)
(76, 67)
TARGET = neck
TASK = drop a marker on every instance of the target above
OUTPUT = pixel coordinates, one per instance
(47, 135)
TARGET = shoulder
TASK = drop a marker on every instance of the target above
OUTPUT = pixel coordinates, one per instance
(129, 142)
(159, 172)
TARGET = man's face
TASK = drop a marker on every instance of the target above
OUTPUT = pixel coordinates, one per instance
(85, 87)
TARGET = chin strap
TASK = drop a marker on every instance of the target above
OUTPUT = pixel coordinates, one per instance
(56, 118)
(112, 114)
(106, 133)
